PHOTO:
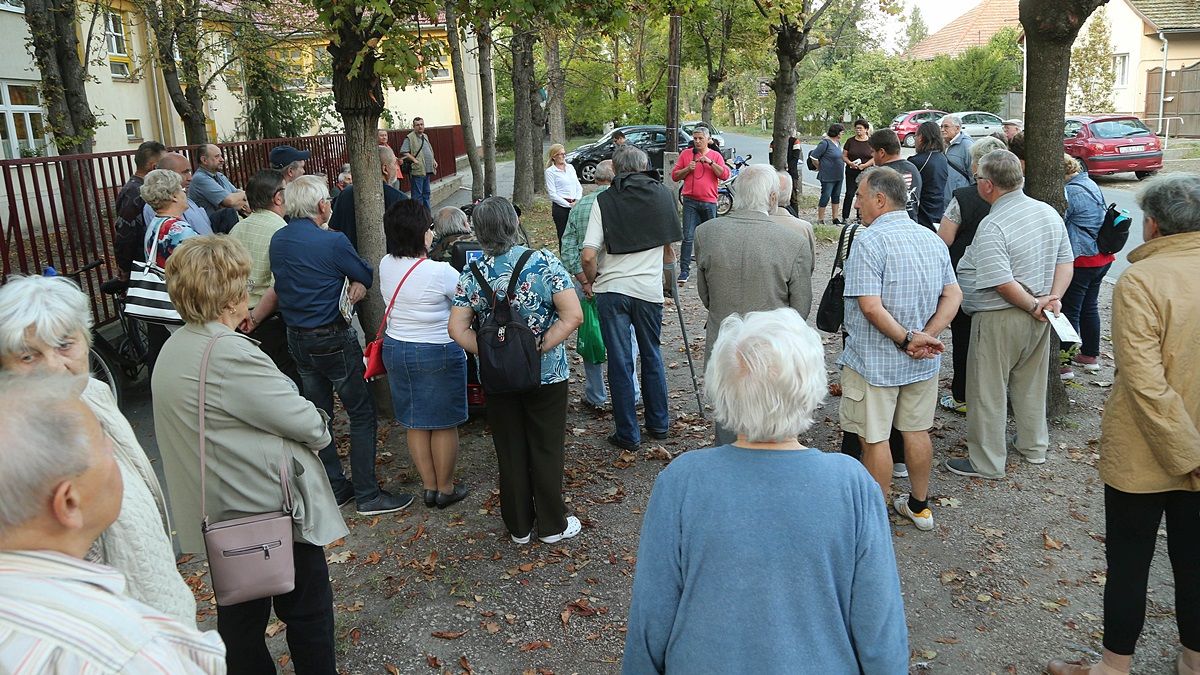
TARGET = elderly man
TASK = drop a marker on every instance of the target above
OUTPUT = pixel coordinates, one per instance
(311, 264)
(289, 160)
(344, 219)
(417, 150)
(213, 192)
(885, 151)
(783, 215)
(1012, 128)
(1150, 433)
(958, 155)
(900, 295)
(62, 488)
(1017, 268)
(701, 169)
(595, 394)
(195, 216)
(264, 194)
(626, 250)
(748, 262)
(130, 226)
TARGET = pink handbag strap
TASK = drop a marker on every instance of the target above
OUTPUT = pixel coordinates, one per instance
(388, 312)
(284, 484)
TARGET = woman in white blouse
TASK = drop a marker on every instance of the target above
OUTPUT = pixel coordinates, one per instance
(562, 186)
(427, 370)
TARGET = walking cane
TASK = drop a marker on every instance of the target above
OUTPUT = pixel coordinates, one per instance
(687, 347)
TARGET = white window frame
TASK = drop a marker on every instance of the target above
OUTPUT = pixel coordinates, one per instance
(10, 112)
(1120, 73)
(133, 130)
(119, 31)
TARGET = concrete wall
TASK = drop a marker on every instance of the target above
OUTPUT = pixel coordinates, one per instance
(1132, 35)
(435, 101)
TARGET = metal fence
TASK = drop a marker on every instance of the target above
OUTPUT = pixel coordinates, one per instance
(59, 211)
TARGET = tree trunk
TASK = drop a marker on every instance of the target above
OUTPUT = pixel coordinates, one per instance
(464, 108)
(537, 131)
(522, 79)
(556, 88)
(488, 97)
(710, 97)
(785, 105)
(55, 48)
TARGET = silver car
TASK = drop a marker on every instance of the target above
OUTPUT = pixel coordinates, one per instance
(977, 123)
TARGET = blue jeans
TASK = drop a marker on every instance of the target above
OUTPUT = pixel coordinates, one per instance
(1081, 304)
(420, 188)
(329, 360)
(594, 391)
(831, 190)
(617, 314)
(694, 213)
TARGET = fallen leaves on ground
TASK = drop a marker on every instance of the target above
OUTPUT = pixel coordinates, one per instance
(339, 558)
(448, 634)
(535, 645)
(1050, 543)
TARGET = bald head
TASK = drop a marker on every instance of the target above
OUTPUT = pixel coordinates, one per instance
(173, 161)
(387, 163)
(211, 158)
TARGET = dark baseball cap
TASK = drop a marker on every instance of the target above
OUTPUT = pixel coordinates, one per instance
(283, 155)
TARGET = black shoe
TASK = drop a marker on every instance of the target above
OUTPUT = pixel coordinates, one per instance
(384, 503)
(632, 447)
(344, 497)
(460, 492)
(657, 435)
(430, 498)
(837, 221)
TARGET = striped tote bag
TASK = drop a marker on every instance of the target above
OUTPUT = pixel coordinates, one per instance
(147, 299)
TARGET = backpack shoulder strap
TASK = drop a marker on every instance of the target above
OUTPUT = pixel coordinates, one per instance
(516, 271)
(483, 282)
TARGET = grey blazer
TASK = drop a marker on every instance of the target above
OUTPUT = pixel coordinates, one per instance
(254, 420)
(748, 262)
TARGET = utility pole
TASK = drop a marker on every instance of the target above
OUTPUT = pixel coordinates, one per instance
(676, 39)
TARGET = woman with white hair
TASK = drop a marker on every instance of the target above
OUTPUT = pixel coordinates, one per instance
(738, 569)
(45, 328)
(450, 225)
(163, 191)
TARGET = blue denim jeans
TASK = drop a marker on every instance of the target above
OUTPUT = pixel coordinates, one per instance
(594, 391)
(420, 189)
(1081, 304)
(617, 314)
(831, 190)
(694, 213)
(330, 360)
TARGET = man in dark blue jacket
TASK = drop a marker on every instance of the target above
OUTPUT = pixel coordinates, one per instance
(343, 219)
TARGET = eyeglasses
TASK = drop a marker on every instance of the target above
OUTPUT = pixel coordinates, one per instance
(979, 178)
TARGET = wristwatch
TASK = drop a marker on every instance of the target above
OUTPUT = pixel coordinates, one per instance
(907, 339)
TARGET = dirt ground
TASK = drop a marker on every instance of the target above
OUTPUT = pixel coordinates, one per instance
(1012, 575)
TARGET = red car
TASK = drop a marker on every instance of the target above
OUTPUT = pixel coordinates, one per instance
(1108, 144)
(905, 124)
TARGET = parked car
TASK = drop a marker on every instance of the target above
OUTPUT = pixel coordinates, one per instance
(1108, 144)
(648, 137)
(713, 132)
(977, 123)
(905, 124)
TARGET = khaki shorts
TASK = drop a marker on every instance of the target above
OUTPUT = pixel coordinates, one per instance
(872, 412)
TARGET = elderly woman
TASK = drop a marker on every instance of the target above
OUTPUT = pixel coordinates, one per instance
(45, 327)
(163, 192)
(255, 424)
(450, 225)
(727, 583)
(831, 171)
(930, 160)
(562, 187)
(1150, 433)
(427, 371)
(1081, 302)
(527, 429)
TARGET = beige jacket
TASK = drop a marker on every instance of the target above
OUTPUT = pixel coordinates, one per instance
(255, 419)
(1150, 433)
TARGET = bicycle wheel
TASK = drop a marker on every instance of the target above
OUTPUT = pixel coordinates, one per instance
(101, 367)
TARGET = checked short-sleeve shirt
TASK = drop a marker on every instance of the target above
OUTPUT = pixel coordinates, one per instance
(907, 266)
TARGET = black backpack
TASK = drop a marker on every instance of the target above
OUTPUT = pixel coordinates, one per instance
(1114, 231)
(509, 362)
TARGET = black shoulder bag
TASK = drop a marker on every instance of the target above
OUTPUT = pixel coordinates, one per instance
(509, 362)
(832, 310)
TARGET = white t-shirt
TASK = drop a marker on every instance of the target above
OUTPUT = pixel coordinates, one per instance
(638, 275)
(422, 307)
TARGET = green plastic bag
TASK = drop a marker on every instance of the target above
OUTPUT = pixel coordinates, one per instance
(589, 343)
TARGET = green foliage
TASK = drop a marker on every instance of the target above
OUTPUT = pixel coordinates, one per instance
(977, 78)
(916, 29)
(874, 86)
(1092, 73)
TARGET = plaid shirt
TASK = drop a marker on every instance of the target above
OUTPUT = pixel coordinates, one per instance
(577, 224)
(255, 232)
(907, 266)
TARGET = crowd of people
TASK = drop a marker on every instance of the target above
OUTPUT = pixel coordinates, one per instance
(264, 279)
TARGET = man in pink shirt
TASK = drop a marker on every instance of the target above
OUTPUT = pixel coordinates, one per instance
(701, 169)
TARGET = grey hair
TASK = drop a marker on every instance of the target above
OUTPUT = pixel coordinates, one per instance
(630, 159)
(985, 145)
(341, 178)
(754, 187)
(43, 441)
(888, 182)
(604, 172)
(1173, 201)
(703, 130)
(293, 167)
(1003, 169)
(302, 197)
(766, 375)
(496, 225)
(450, 220)
(785, 186)
(160, 187)
(953, 119)
(53, 307)
(387, 155)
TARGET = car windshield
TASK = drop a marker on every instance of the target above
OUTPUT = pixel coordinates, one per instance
(1122, 128)
(899, 118)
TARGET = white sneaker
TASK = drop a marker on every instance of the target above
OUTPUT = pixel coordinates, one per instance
(923, 520)
(900, 470)
(522, 540)
(573, 528)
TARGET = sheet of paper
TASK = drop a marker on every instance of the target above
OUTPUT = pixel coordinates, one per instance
(344, 304)
(1062, 326)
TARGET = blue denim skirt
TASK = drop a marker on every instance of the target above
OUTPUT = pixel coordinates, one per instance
(428, 383)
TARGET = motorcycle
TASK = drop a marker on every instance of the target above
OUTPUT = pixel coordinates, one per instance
(725, 187)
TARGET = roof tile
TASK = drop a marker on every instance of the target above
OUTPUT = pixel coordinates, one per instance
(975, 28)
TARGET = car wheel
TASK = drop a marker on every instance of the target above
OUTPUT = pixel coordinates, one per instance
(1143, 175)
(587, 172)
(910, 141)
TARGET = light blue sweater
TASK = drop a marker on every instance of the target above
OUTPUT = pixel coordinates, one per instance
(766, 561)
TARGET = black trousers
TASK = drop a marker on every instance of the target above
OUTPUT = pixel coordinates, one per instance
(851, 186)
(852, 445)
(272, 338)
(560, 215)
(528, 431)
(960, 346)
(1131, 526)
(307, 611)
(156, 337)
